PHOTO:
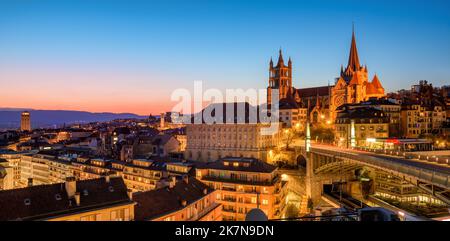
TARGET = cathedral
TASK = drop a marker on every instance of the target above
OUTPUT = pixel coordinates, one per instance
(352, 86)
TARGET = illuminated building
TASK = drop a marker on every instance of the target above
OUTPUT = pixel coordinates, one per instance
(6, 175)
(238, 138)
(243, 184)
(420, 120)
(104, 199)
(184, 200)
(369, 123)
(34, 168)
(13, 159)
(25, 121)
(141, 175)
(352, 86)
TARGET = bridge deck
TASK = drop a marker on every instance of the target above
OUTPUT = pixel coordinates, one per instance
(436, 174)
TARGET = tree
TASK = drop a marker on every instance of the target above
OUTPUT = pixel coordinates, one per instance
(288, 136)
(322, 132)
(310, 205)
(292, 211)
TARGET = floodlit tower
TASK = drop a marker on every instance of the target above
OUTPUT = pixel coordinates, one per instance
(25, 122)
(161, 121)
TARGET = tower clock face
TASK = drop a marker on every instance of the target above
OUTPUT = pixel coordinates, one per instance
(338, 101)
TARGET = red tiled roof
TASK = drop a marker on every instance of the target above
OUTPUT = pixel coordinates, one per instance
(156, 203)
(355, 80)
(314, 91)
(376, 82)
(43, 201)
(370, 89)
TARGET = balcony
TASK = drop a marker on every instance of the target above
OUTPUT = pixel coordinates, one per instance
(239, 181)
(229, 199)
(228, 210)
(204, 212)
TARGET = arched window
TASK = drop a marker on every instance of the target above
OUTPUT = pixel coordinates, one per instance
(315, 117)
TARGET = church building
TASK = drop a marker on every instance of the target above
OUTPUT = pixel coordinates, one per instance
(320, 103)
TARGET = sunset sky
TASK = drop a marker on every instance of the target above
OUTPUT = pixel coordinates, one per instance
(128, 56)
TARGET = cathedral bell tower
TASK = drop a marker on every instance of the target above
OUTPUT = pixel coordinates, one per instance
(280, 77)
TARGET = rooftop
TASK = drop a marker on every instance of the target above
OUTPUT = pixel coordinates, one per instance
(239, 164)
(46, 201)
(156, 203)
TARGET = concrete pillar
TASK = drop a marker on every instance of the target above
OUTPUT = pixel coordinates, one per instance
(309, 174)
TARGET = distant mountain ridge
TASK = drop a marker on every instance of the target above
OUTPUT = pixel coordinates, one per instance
(10, 117)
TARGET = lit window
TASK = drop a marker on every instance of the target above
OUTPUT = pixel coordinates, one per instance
(265, 202)
(253, 199)
(169, 219)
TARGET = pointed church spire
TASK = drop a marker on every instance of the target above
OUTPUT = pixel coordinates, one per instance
(353, 59)
(280, 58)
(271, 63)
(289, 62)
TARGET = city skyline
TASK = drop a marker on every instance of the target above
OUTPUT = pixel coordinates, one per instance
(225, 110)
(130, 57)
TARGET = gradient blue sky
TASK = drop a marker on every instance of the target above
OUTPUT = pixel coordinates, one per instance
(127, 56)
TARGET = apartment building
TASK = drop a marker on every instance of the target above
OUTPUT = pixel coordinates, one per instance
(243, 184)
(34, 169)
(422, 120)
(13, 159)
(104, 199)
(141, 175)
(369, 124)
(185, 200)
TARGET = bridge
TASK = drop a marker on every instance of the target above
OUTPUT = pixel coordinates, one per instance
(322, 160)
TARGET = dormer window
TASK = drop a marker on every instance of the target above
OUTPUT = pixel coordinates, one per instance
(111, 189)
(236, 164)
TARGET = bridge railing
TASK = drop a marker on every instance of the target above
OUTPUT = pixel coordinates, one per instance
(434, 177)
(409, 155)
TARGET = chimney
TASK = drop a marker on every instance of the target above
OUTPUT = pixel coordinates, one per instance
(205, 191)
(172, 182)
(183, 203)
(130, 194)
(30, 182)
(107, 179)
(71, 186)
(77, 198)
(186, 179)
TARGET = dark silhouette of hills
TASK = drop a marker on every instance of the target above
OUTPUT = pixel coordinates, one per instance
(10, 117)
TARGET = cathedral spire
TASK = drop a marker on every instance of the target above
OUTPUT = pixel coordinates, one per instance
(280, 58)
(353, 59)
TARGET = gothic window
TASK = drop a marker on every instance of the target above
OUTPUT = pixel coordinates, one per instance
(315, 117)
